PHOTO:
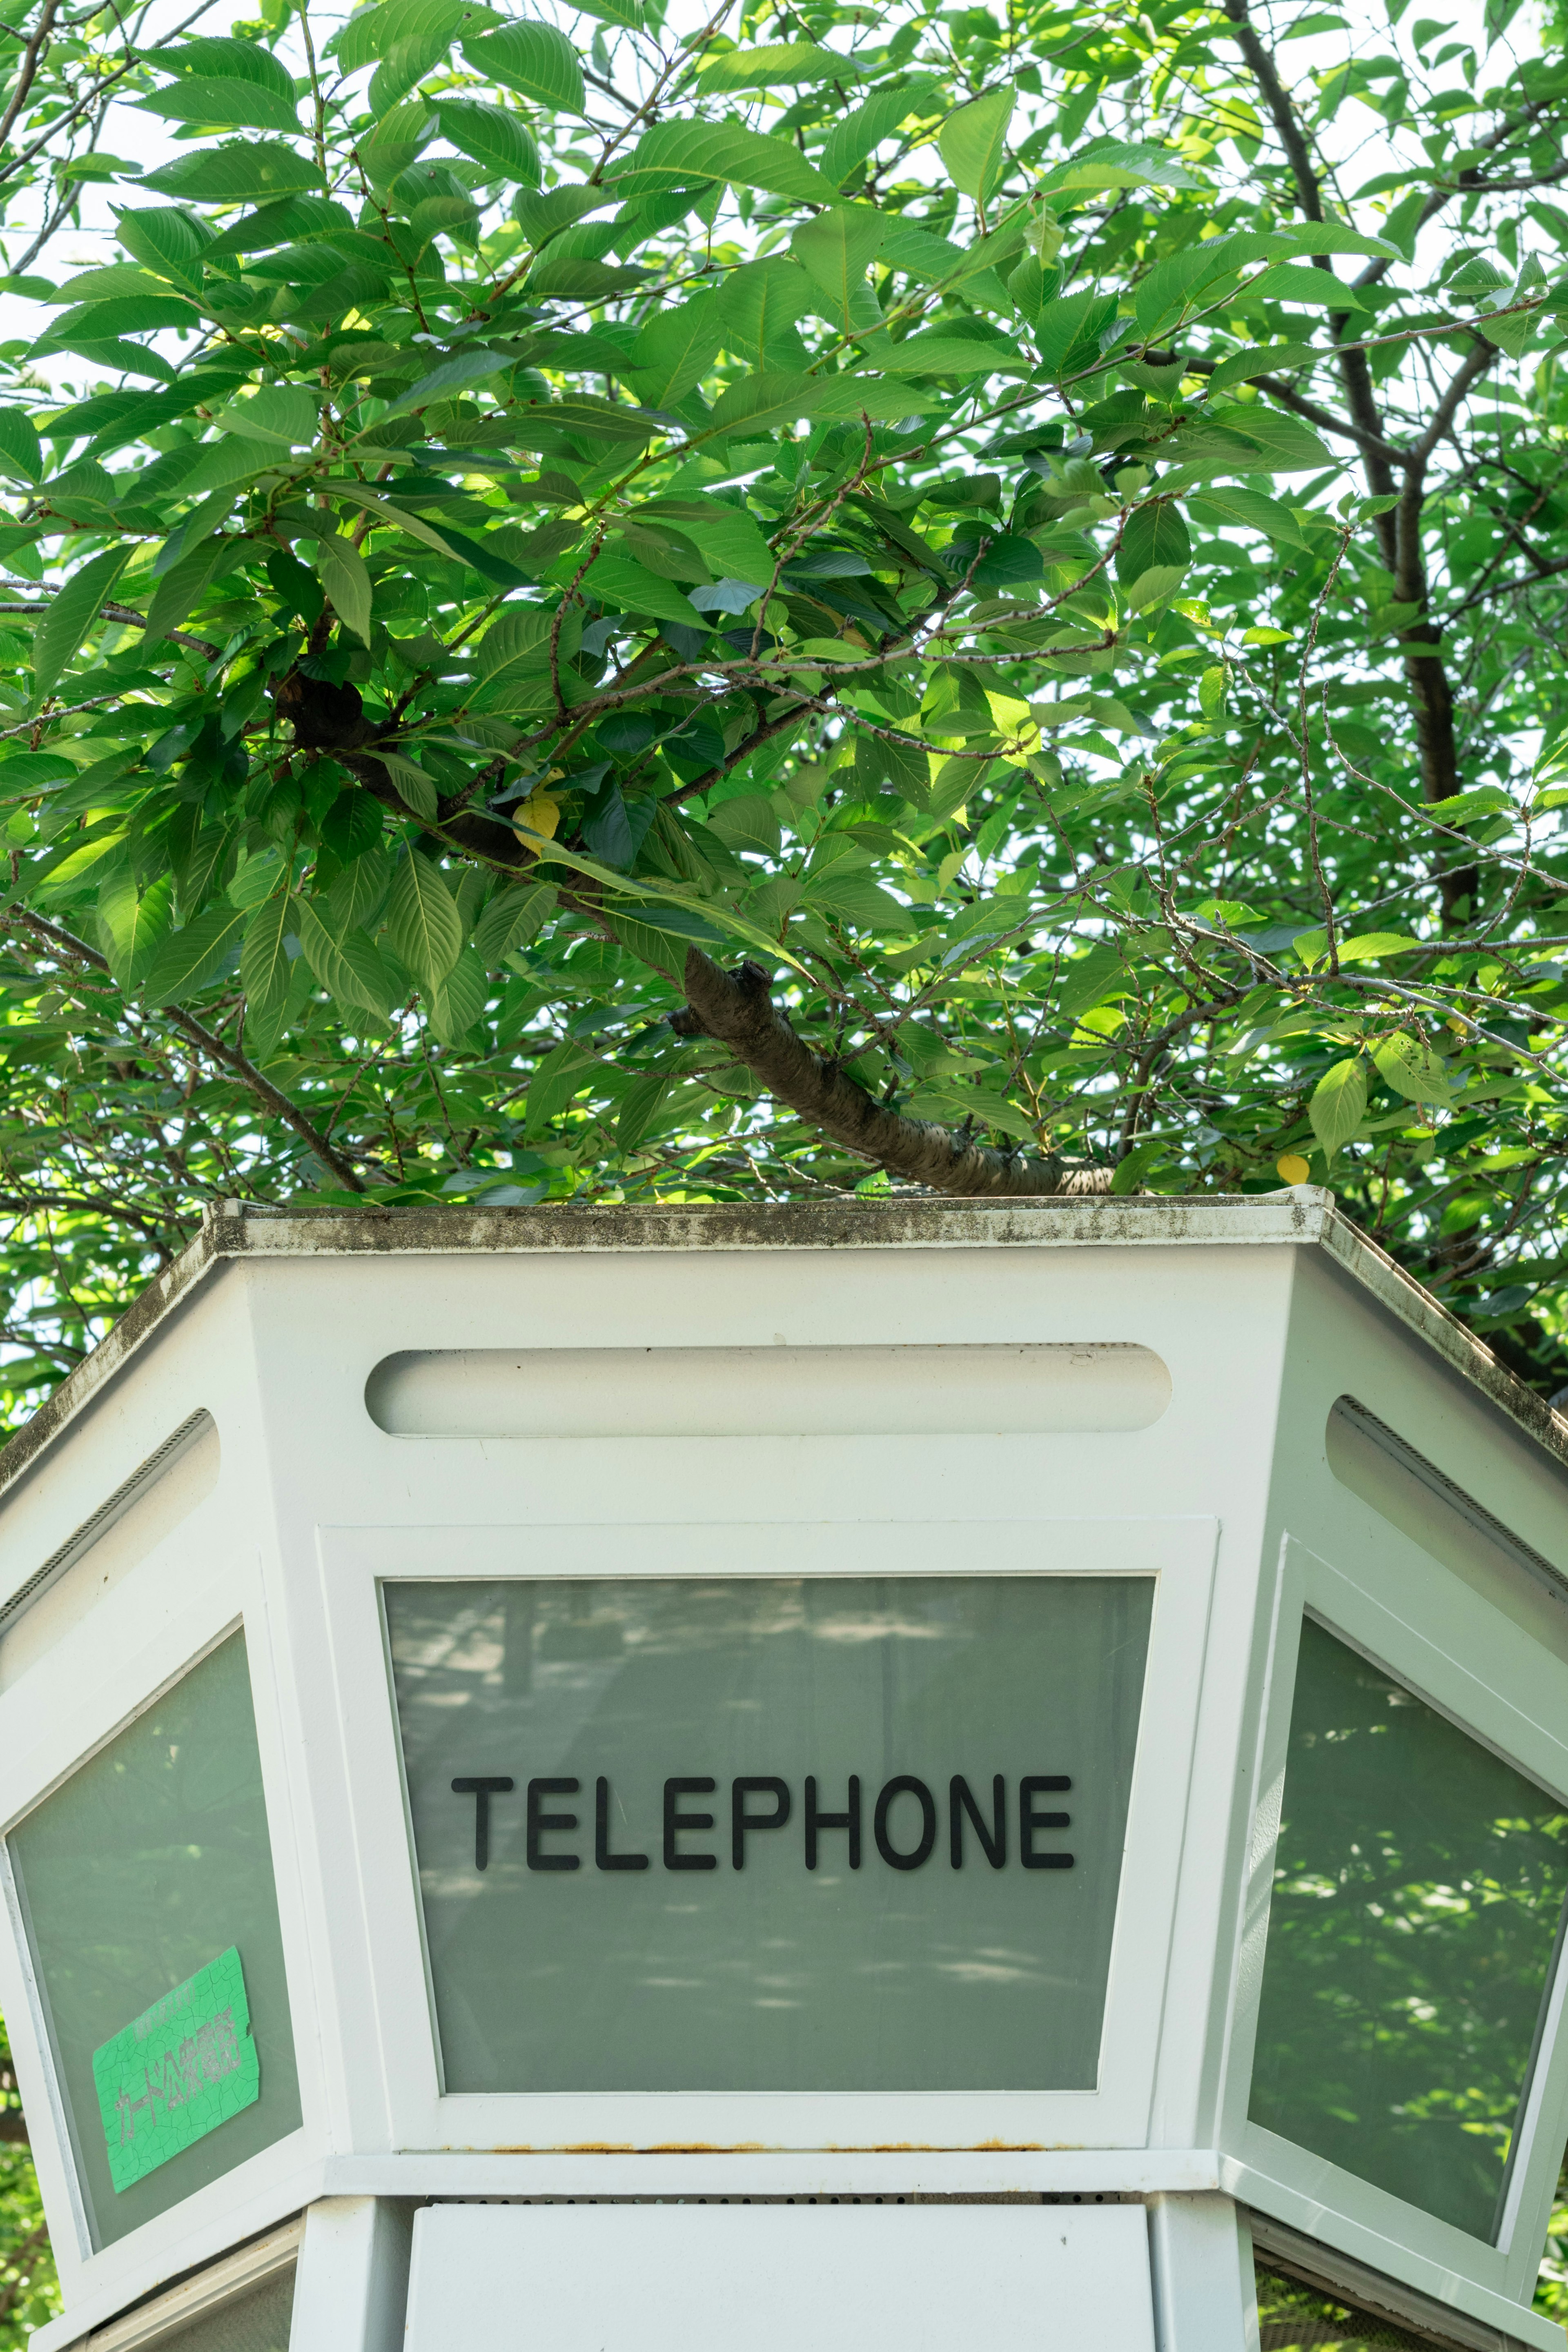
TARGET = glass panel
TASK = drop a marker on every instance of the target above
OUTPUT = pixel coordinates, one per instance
(640, 1940)
(1418, 1892)
(1293, 2318)
(141, 1870)
(256, 2322)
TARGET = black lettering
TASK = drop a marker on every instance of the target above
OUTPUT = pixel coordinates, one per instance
(905, 1785)
(1030, 1822)
(675, 1821)
(993, 1840)
(481, 1792)
(741, 1820)
(816, 1823)
(540, 1824)
(602, 1858)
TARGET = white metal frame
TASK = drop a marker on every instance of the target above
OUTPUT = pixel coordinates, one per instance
(1444, 1642)
(119, 1662)
(1179, 1554)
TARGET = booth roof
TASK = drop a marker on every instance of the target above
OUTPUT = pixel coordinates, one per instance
(1302, 1216)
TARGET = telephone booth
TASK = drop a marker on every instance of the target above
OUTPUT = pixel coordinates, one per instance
(870, 1774)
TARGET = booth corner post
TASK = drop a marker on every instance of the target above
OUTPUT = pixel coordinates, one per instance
(867, 1773)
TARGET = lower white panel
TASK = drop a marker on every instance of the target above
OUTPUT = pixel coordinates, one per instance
(837, 2278)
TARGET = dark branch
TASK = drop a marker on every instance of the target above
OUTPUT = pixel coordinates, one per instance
(737, 1009)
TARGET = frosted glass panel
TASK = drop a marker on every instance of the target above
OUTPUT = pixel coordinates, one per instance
(256, 2322)
(140, 1871)
(766, 1832)
(1417, 1895)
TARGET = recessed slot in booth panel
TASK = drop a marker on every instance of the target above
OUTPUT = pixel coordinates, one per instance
(702, 1833)
(1418, 1894)
(831, 1391)
(141, 1871)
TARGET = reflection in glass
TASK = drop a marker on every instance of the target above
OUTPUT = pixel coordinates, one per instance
(1418, 1889)
(150, 1861)
(588, 1968)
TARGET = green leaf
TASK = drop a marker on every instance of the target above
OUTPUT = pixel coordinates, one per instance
(396, 139)
(455, 1002)
(1098, 977)
(639, 1107)
(1251, 508)
(628, 586)
(183, 585)
(351, 968)
(21, 451)
(835, 248)
(226, 58)
(1298, 281)
(561, 1076)
(730, 537)
(1155, 535)
(514, 917)
(747, 823)
(1338, 1105)
(453, 375)
(1067, 335)
(285, 415)
(243, 171)
(1288, 447)
(1263, 359)
(535, 59)
(1368, 947)
(778, 62)
(373, 33)
(676, 152)
(264, 958)
(861, 132)
(414, 787)
(1117, 163)
(133, 924)
(405, 64)
(1465, 808)
(224, 465)
(424, 927)
(493, 136)
(223, 105)
(1412, 1068)
(188, 959)
(973, 142)
(170, 241)
(1151, 587)
(341, 568)
(64, 628)
(674, 351)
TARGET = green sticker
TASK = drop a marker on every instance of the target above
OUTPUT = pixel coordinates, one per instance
(176, 2071)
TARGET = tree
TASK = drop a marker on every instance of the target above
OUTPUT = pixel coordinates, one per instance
(847, 599)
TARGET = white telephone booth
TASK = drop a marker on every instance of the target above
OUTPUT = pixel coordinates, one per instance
(870, 1776)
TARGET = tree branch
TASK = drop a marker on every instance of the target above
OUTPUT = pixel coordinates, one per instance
(737, 1009)
(65, 944)
(31, 57)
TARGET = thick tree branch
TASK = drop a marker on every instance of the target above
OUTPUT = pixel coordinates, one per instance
(737, 1009)
(213, 1048)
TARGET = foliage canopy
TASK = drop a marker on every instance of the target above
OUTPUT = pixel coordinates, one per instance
(831, 599)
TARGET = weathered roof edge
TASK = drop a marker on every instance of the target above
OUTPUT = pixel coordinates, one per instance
(1303, 1215)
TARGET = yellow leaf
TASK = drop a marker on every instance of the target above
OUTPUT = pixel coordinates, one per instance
(1292, 1168)
(541, 814)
